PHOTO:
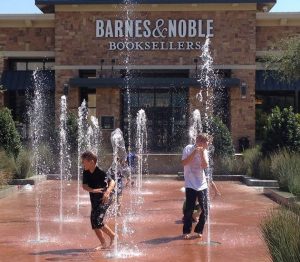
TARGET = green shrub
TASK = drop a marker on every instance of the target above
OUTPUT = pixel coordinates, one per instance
(222, 141)
(9, 137)
(261, 119)
(285, 167)
(23, 165)
(228, 166)
(280, 230)
(7, 167)
(282, 131)
(264, 169)
(48, 161)
(72, 131)
(252, 157)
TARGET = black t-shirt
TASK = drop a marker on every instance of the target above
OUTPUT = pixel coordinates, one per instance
(97, 179)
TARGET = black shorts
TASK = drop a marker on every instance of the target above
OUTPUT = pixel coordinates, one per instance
(97, 215)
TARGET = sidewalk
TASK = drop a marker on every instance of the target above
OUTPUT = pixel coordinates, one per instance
(235, 219)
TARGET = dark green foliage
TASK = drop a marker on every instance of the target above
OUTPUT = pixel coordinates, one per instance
(261, 118)
(72, 131)
(282, 131)
(280, 230)
(222, 138)
(9, 137)
(287, 61)
(285, 167)
(23, 164)
(252, 157)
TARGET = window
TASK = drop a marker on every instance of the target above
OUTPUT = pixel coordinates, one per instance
(107, 122)
(166, 111)
(30, 64)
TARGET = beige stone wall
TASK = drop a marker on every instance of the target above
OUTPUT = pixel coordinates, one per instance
(61, 78)
(108, 101)
(27, 39)
(242, 110)
(266, 37)
(76, 42)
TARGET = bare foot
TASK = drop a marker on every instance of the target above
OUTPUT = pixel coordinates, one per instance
(112, 239)
(186, 236)
(199, 235)
(103, 246)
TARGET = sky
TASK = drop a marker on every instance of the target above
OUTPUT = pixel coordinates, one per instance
(28, 6)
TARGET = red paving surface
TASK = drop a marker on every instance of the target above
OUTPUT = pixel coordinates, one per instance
(235, 219)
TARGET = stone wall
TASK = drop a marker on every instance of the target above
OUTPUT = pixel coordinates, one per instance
(242, 110)
(266, 37)
(76, 42)
(27, 39)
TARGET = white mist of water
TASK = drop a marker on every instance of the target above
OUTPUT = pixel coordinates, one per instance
(209, 80)
(37, 114)
(65, 160)
(196, 126)
(82, 143)
(94, 137)
(119, 154)
(141, 146)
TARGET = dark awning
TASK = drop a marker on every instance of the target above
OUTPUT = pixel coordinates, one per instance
(146, 82)
(23, 80)
(63, 2)
(267, 82)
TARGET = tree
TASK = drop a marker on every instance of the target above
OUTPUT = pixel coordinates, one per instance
(221, 138)
(286, 61)
(282, 131)
(9, 137)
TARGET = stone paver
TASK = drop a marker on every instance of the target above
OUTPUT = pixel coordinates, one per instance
(156, 226)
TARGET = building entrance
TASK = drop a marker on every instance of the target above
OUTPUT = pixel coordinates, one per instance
(167, 116)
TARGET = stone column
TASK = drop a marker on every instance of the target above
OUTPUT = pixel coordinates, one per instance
(62, 77)
(108, 102)
(242, 110)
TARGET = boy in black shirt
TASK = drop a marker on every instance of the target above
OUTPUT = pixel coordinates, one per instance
(99, 185)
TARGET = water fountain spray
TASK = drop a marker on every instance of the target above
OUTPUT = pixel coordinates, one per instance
(65, 160)
(82, 143)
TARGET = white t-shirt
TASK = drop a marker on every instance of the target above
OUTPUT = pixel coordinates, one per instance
(194, 176)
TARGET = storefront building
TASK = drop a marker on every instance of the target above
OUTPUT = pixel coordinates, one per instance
(94, 50)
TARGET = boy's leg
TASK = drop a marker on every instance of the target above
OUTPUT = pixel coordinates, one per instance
(190, 196)
(202, 198)
(100, 236)
(119, 201)
(106, 229)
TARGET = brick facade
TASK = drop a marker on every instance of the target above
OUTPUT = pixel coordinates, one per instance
(27, 39)
(266, 37)
(72, 37)
(242, 110)
(76, 42)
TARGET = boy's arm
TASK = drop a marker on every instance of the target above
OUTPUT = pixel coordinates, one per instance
(108, 191)
(92, 190)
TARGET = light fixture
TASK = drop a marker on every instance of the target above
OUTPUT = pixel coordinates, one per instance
(66, 89)
(196, 69)
(243, 88)
(113, 61)
(101, 63)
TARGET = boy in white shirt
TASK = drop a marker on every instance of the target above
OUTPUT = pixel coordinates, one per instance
(195, 160)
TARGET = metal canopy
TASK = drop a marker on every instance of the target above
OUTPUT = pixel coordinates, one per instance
(146, 82)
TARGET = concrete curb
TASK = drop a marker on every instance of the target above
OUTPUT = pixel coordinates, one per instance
(250, 181)
(7, 191)
(282, 198)
(31, 181)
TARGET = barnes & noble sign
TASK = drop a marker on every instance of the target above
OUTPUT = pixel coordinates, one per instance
(154, 35)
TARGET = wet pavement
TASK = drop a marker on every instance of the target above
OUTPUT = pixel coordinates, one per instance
(151, 233)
